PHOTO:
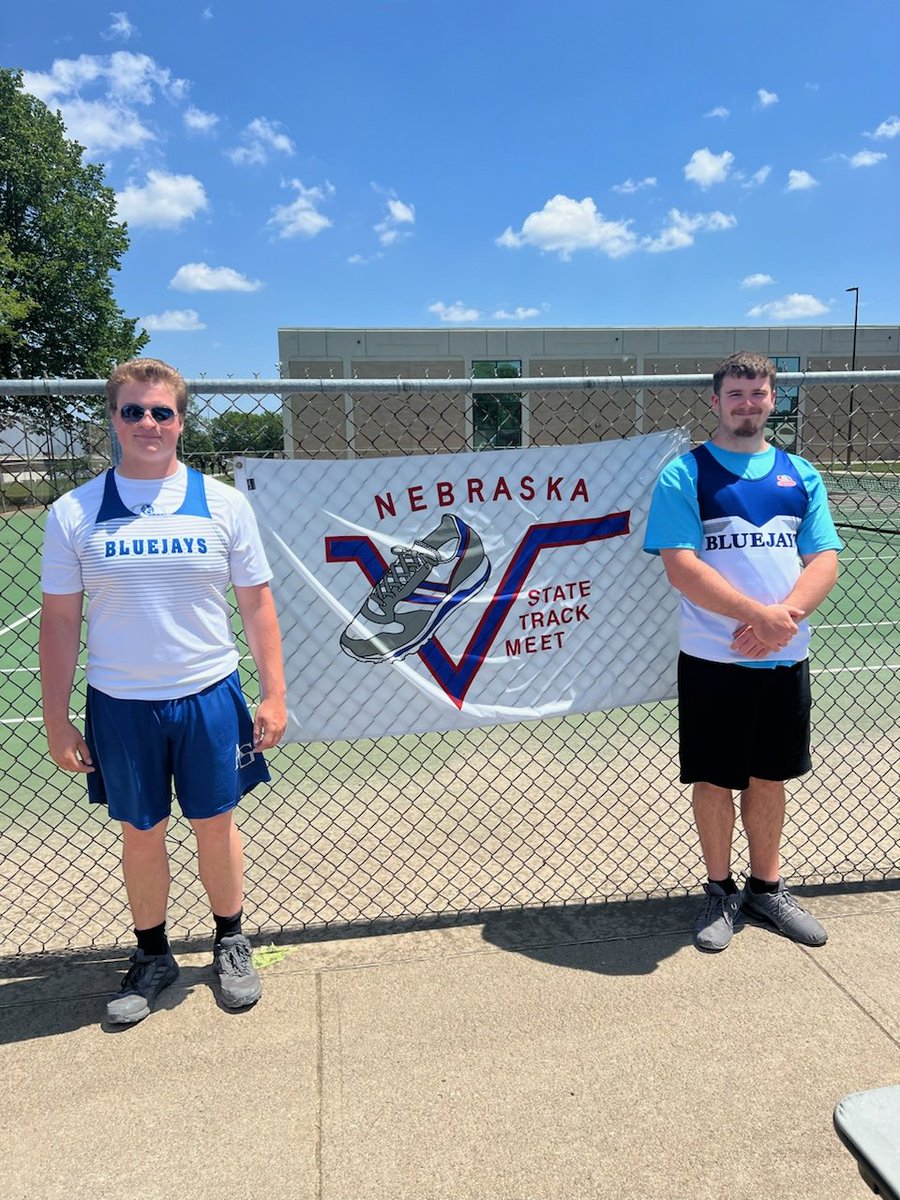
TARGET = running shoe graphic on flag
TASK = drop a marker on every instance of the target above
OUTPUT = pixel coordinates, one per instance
(421, 587)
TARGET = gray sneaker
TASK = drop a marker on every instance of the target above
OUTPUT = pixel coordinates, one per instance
(424, 584)
(144, 980)
(239, 983)
(715, 925)
(783, 911)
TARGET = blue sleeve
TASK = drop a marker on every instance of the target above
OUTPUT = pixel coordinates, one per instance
(817, 531)
(673, 522)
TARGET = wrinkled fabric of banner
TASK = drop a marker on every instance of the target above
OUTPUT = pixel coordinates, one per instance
(444, 591)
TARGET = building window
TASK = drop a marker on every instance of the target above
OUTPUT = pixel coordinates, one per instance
(496, 416)
(782, 428)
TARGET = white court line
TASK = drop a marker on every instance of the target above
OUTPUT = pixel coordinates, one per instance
(855, 670)
(861, 625)
(21, 621)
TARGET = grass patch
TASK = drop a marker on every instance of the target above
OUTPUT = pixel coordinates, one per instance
(268, 956)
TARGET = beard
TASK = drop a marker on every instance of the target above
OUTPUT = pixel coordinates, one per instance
(749, 428)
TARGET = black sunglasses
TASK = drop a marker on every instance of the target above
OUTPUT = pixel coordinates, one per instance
(132, 413)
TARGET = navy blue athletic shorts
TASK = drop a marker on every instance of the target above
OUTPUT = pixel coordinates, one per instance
(737, 722)
(203, 742)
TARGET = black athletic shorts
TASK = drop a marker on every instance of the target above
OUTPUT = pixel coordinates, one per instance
(735, 722)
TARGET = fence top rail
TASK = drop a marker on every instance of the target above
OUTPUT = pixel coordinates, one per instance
(564, 383)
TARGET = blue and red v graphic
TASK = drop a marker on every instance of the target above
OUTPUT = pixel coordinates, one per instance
(455, 678)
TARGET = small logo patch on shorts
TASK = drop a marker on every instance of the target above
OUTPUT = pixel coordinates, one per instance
(244, 756)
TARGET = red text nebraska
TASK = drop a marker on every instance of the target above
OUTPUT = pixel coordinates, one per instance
(479, 491)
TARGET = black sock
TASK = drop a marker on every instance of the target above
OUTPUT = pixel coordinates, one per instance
(762, 885)
(728, 886)
(228, 926)
(153, 941)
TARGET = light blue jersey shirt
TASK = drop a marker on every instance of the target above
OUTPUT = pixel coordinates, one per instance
(675, 522)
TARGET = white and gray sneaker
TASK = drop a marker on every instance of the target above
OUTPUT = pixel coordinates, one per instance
(784, 912)
(715, 925)
(422, 586)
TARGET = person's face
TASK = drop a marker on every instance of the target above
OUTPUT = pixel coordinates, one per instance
(743, 406)
(149, 447)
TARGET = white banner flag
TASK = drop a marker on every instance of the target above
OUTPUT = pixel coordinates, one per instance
(443, 591)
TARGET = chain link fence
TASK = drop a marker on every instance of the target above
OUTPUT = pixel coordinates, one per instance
(388, 833)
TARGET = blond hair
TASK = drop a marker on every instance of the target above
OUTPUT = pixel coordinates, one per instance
(148, 370)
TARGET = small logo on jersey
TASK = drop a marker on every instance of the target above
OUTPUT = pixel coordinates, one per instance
(244, 756)
(785, 481)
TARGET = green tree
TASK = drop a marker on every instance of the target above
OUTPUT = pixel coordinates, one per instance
(211, 443)
(259, 433)
(196, 444)
(60, 244)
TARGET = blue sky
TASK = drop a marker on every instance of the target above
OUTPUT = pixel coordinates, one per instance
(409, 163)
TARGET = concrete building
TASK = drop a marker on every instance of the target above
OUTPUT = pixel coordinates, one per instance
(813, 419)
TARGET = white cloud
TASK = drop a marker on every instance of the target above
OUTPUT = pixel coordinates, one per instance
(124, 79)
(390, 229)
(719, 111)
(401, 212)
(888, 128)
(120, 27)
(454, 312)
(517, 314)
(565, 225)
(198, 121)
(706, 168)
(198, 277)
(302, 218)
(681, 227)
(800, 181)
(64, 78)
(207, 13)
(132, 77)
(357, 260)
(164, 202)
(128, 76)
(758, 178)
(766, 99)
(797, 304)
(101, 127)
(260, 138)
(757, 280)
(631, 185)
(865, 158)
(175, 320)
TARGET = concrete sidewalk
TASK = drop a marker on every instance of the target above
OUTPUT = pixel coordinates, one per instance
(552, 1055)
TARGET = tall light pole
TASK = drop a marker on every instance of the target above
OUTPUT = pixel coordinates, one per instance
(855, 290)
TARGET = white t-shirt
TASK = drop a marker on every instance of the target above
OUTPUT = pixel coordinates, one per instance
(155, 558)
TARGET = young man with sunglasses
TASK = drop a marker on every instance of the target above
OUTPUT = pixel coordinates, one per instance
(746, 537)
(154, 546)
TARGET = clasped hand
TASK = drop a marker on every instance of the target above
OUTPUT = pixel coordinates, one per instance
(771, 630)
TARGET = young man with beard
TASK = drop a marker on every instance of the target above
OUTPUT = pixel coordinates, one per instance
(154, 546)
(746, 538)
